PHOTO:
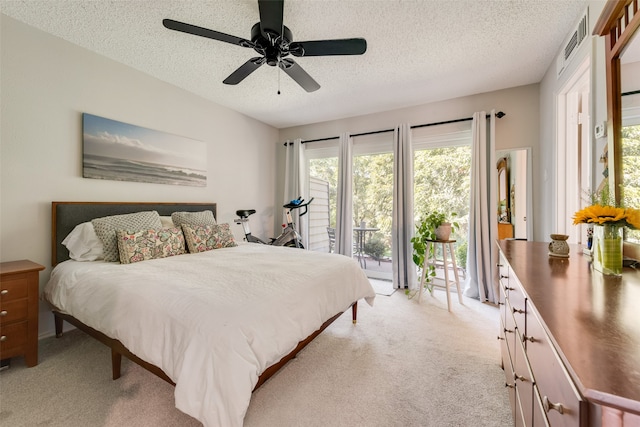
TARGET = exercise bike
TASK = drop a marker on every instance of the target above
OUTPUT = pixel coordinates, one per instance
(289, 236)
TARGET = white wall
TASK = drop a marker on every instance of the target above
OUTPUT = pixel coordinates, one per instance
(518, 129)
(544, 169)
(46, 85)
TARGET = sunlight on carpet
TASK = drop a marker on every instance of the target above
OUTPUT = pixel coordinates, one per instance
(382, 287)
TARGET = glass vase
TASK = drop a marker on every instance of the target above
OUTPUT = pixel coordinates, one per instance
(607, 249)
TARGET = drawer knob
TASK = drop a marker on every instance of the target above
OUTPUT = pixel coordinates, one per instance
(504, 276)
(508, 330)
(498, 265)
(3, 338)
(519, 377)
(509, 288)
(500, 338)
(3, 313)
(549, 406)
(516, 310)
(4, 292)
(526, 338)
(509, 385)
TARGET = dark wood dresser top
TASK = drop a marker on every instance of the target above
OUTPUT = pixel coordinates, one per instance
(593, 320)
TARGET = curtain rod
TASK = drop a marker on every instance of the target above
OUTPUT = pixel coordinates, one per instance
(499, 115)
(633, 92)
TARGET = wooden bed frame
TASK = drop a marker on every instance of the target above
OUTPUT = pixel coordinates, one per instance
(66, 215)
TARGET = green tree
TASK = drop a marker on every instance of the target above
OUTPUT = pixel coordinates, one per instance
(631, 172)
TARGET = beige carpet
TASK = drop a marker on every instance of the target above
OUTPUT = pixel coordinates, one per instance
(403, 364)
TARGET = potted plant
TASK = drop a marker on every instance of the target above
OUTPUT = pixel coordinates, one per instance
(433, 226)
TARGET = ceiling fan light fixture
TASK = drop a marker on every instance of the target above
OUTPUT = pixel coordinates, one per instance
(274, 41)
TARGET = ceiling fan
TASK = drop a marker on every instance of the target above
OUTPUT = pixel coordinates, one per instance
(274, 42)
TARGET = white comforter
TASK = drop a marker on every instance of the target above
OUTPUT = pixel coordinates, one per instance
(214, 321)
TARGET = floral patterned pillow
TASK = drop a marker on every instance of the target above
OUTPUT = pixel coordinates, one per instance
(202, 238)
(149, 244)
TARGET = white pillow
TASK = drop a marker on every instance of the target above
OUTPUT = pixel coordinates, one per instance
(83, 243)
(167, 222)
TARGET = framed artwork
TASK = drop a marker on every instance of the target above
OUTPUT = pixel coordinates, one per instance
(123, 152)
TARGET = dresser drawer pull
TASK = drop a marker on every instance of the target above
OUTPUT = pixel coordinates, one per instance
(498, 265)
(508, 330)
(519, 377)
(3, 338)
(507, 288)
(3, 313)
(526, 338)
(516, 310)
(504, 276)
(509, 385)
(4, 292)
(549, 406)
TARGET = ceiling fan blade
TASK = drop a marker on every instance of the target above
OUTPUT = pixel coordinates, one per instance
(244, 70)
(356, 46)
(301, 77)
(205, 32)
(271, 12)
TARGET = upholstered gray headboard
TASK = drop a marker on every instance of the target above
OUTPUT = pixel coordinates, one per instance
(66, 215)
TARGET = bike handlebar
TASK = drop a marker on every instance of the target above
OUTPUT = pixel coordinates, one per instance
(297, 203)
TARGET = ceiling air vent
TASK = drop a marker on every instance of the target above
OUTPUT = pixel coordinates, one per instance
(575, 39)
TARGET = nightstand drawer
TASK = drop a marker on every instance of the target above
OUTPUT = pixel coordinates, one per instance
(14, 287)
(12, 311)
(12, 337)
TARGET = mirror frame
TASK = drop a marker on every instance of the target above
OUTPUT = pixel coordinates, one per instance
(618, 29)
(618, 23)
(503, 182)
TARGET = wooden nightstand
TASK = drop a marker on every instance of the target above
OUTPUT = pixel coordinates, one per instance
(19, 292)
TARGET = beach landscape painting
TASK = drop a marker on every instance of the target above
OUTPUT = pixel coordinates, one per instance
(120, 151)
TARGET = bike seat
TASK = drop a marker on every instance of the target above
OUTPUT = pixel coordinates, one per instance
(243, 213)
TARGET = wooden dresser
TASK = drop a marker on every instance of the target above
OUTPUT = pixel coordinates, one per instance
(19, 293)
(570, 339)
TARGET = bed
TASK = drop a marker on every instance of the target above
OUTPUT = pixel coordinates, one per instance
(216, 323)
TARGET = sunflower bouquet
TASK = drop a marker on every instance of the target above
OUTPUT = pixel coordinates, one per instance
(605, 211)
(608, 215)
(608, 221)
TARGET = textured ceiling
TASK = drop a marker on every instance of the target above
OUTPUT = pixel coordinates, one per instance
(418, 51)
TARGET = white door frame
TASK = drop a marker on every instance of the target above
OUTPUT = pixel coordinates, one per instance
(573, 153)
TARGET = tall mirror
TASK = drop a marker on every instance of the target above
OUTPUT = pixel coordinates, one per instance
(514, 210)
(630, 133)
(619, 23)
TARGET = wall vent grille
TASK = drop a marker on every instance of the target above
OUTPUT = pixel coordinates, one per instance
(576, 37)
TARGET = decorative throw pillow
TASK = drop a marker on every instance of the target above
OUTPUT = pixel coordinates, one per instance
(193, 218)
(83, 243)
(205, 238)
(149, 244)
(106, 228)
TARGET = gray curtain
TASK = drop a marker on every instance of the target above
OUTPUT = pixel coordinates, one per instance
(294, 184)
(482, 256)
(404, 271)
(344, 214)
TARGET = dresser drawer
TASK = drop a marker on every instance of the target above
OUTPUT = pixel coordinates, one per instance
(524, 382)
(12, 311)
(560, 400)
(14, 287)
(13, 338)
(539, 414)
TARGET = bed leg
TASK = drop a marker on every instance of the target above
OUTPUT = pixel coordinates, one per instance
(354, 312)
(58, 325)
(116, 362)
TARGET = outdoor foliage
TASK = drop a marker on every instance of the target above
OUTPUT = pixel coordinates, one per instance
(631, 172)
(442, 182)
